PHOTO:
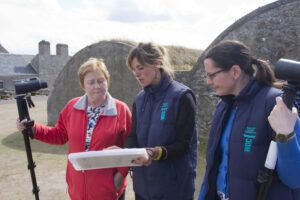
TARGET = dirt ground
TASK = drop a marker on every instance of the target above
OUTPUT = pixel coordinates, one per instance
(50, 160)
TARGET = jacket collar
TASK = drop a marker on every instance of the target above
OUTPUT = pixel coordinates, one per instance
(161, 87)
(109, 109)
(249, 90)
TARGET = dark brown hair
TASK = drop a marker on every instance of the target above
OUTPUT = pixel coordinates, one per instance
(231, 52)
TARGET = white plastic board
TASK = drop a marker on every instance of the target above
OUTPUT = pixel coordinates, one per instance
(106, 158)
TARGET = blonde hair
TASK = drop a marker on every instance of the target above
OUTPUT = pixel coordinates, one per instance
(150, 53)
(92, 65)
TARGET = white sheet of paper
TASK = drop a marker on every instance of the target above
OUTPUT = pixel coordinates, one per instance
(106, 158)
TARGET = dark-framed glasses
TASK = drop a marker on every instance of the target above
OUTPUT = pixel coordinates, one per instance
(213, 75)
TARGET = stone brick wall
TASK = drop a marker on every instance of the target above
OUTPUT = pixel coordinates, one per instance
(50, 66)
(44, 47)
(62, 50)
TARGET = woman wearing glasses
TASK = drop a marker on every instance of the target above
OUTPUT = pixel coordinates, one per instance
(91, 122)
(240, 133)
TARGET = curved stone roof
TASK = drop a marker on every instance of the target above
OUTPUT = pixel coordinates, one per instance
(271, 31)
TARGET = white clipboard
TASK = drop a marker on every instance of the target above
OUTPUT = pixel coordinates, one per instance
(106, 158)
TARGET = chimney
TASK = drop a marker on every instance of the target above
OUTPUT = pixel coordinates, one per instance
(44, 47)
(62, 50)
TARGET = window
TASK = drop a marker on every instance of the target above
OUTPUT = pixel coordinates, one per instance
(1, 85)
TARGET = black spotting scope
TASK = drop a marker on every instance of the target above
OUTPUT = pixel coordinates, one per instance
(23, 89)
(29, 85)
(288, 70)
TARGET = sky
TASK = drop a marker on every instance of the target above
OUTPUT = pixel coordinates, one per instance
(79, 23)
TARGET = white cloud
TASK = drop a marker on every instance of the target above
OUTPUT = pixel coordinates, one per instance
(190, 23)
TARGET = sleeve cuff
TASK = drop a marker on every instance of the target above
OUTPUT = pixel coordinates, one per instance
(164, 155)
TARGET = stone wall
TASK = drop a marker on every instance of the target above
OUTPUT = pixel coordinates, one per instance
(49, 67)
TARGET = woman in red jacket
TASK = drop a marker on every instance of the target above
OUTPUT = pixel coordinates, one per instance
(88, 123)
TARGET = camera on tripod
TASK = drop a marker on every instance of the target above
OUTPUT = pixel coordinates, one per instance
(23, 89)
(29, 85)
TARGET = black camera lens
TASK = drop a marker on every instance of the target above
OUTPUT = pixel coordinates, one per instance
(287, 70)
(29, 85)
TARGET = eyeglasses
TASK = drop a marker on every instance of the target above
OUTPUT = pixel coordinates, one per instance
(213, 75)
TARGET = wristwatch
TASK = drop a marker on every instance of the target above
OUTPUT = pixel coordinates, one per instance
(282, 138)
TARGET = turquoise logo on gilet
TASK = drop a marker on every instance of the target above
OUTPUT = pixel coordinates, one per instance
(163, 111)
(249, 136)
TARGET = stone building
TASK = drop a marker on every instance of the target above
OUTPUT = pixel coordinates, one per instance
(43, 65)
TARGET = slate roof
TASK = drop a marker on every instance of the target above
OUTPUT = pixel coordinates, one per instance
(2, 49)
(13, 64)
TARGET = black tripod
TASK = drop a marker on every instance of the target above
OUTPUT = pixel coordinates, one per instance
(22, 101)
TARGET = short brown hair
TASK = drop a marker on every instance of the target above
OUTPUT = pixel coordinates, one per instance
(92, 65)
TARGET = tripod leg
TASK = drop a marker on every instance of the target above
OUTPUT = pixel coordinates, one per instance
(31, 164)
(24, 114)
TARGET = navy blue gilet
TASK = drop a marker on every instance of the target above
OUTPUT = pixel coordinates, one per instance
(248, 146)
(156, 113)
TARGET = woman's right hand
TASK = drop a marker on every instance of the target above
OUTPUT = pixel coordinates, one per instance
(152, 153)
(20, 124)
(145, 161)
(25, 124)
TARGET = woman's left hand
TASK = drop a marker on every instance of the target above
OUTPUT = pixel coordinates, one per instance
(282, 119)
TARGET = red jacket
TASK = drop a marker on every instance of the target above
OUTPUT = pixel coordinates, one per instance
(112, 128)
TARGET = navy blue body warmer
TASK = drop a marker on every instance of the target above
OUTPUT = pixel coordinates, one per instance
(156, 113)
(248, 146)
